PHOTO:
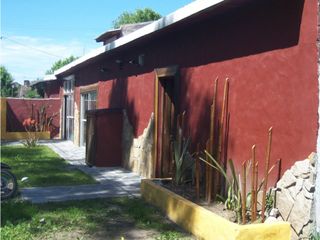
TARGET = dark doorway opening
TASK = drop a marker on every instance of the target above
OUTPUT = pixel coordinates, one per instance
(166, 120)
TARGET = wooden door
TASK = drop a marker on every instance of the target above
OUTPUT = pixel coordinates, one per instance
(90, 139)
(168, 124)
(87, 102)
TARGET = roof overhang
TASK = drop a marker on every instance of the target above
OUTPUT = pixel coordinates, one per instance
(49, 77)
(108, 34)
(185, 12)
(46, 78)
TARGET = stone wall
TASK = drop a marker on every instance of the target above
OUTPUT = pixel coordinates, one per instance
(137, 152)
(294, 197)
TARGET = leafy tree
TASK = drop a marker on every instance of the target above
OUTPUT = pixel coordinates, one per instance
(61, 63)
(7, 87)
(140, 15)
(32, 93)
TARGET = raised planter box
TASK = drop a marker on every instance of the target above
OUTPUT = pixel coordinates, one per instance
(24, 135)
(205, 224)
(5, 135)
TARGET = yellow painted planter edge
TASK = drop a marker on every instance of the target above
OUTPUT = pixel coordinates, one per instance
(15, 135)
(205, 224)
(24, 135)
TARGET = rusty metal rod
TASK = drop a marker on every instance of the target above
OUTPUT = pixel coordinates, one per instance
(256, 191)
(198, 173)
(279, 169)
(212, 127)
(183, 116)
(270, 170)
(212, 117)
(253, 154)
(222, 119)
(206, 182)
(225, 151)
(209, 178)
(265, 184)
(221, 135)
(244, 192)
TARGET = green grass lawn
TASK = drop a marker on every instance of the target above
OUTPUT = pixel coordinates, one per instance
(42, 166)
(86, 219)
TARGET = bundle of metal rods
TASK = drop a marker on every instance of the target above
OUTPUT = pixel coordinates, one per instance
(255, 187)
(216, 146)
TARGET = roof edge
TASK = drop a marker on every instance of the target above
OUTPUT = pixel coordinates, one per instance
(179, 15)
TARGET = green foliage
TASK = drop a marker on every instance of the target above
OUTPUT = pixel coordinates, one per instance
(7, 89)
(61, 63)
(30, 127)
(269, 202)
(184, 161)
(32, 93)
(31, 141)
(140, 15)
(42, 166)
(15, 211)
(109, 217)
(170, 235)
(233, 199)
(315, 236)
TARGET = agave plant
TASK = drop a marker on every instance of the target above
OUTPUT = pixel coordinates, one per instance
(184, 161)
(233, 198)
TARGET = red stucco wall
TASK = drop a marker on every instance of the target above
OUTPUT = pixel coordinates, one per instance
(275, 88)
(20, 109)
(268, 51)
(133, 93)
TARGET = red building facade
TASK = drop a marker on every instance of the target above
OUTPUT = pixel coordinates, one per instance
(267, 50)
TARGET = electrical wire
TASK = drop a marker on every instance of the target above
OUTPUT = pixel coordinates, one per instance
(26, 46)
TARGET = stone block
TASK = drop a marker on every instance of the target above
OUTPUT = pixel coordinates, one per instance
(294, 235)
(309, 186)
(307, 194)
(271, 220)
(301, 212)
(287, 180)
(306, 230)
(313, 157)
(284, 202)
(138, 151)
(301, 169)
(274, 212)
(298, 187)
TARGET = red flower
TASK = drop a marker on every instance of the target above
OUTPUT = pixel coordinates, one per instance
(29, 122)
(26, 122)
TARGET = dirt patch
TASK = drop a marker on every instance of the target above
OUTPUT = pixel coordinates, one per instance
(188, 191)
(74, 234)
(116, 224)
(115, 231)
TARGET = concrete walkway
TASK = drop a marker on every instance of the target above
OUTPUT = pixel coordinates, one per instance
(113, 182)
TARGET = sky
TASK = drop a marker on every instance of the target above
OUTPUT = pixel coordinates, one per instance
(37, 33)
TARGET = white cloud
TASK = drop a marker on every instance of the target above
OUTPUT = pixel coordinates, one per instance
(28, 57)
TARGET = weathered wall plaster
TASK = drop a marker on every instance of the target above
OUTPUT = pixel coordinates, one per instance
(317, 193)
(137, 152)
